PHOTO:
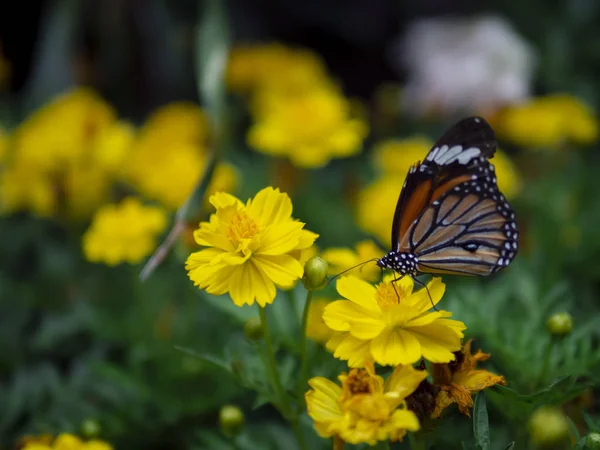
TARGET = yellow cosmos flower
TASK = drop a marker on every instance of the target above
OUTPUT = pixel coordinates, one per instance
(63, 441)
(376, 205)
(126, 232)
(390, 323)
(548, 122)
(315, 326)
(170, 154)
(273, 66)
(22, 188)
(458, 380)
(364, 409)
(309, 127)
(395, 156)
(340, 259)
(251, 248)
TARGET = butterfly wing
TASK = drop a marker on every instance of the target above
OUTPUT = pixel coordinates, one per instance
(469, 229)
(451, 161)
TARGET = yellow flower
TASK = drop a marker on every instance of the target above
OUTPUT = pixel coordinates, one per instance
(86, 188)
(548, 122)
(340, 259)
(397, 155)
(23, 188)
(126, 232)
(64, 441)
(459, 379)
(315, 326)
(376, 205)
(364, 409)
(390, 323)
(112, 146)
(310, 127)
(273, 66)
(251, 248)
(169, 156)
(509, 179)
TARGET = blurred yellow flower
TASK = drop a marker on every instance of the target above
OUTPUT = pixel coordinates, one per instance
(376, 205)
(64, 441)
(86, 188)
(315, 326)
(251, 248)
(342, 258)
(460, 379)
(112, 147)
(124, 232)
(395, 156)
(169, 156)
(310, 127)
(364, 409)
(547, 122)
(390, 323)
(509, 178)
(273, 66)
(22, 188)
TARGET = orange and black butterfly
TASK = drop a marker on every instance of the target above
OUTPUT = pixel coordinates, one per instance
(450, 217)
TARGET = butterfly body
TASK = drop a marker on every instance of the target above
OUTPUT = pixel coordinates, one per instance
(450, 217)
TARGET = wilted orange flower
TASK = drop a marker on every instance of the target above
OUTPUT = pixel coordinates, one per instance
(459, 379)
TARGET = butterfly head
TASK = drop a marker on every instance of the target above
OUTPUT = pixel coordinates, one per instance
(402, 262)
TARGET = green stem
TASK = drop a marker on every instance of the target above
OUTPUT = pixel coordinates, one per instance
(383, 445)
(303, 352)
(272, 365)
(416, 443)
(546, 362)
(298, 432)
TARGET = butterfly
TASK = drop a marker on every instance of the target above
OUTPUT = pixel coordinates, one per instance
(451, 217)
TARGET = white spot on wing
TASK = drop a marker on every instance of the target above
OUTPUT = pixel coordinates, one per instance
(443, 158)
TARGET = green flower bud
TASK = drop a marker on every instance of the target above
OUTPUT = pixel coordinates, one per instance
(90, 428)
(560, 324)
(549, 428)
(592, 441)
(315, 273)
(231, 420)
(253, 329)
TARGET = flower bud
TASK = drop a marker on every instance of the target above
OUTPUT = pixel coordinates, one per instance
(90, 428)
(315, 273)
(231, 420)
(549, 428)
(253, 329)
(560, 324)
(592, 441)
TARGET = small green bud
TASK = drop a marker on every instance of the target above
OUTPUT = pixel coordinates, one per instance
(315, 273)
(560, 324)
(253, 329)
(592, 441)
(231, 420)
(549, 428)
(90, 428)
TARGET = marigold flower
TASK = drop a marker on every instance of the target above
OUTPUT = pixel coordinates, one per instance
(251, 248)
(126, 232)
(459, 379)
(390, 323)
(547, 122)
(340, 259)
(310, 127)
(364, 409)
(64, 441)
(170, 154)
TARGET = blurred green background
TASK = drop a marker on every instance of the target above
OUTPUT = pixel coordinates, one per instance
(328, 100)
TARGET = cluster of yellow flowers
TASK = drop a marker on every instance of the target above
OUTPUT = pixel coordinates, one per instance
(252, 248)
(64, 441)
(298, 110)
(68, 158)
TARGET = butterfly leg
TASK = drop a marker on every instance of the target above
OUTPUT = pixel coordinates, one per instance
(394, 286)
(427, 289)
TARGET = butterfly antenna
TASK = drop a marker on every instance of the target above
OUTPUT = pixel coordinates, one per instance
(349, 269)
(416, 280)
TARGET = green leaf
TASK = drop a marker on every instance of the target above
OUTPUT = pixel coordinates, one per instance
(589, 421)
(481, 426)
(210, 359)
(573, 431)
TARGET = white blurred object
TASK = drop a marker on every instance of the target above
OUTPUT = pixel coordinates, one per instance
(464, 65)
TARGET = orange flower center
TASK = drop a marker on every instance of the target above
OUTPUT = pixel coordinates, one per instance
(387, 296)
(358, 382)
(241, 227)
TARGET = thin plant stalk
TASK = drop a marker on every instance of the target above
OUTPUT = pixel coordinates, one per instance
(303, 343)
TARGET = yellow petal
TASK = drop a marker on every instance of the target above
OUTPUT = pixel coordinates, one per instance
(348, 348)
(393, 347)
(247, 283)
(438, 341)
(343, 315)
(404, 380)
(222, 200)
(442, 401)
(269, 207)
(283, 270)
(280, 238)
(359, 292)
(322, 401)
(405, 419)
(420, 299)
(477, 380)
